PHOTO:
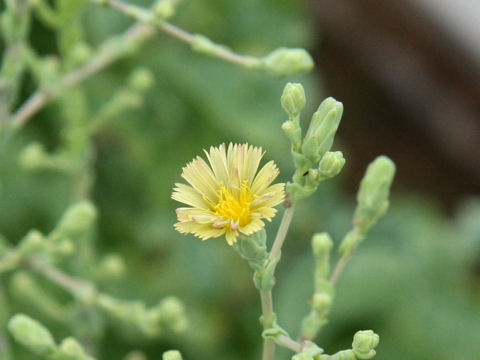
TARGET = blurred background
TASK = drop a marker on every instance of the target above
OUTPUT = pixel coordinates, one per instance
(408, 74)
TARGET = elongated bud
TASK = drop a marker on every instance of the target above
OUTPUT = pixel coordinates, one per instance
(319, 137)
(321, 246)
(77, 219)
(331, 164)
(374, 191)
(31, 334)
(287, 61)
(172, 355)
(364, 344)
(293, 99)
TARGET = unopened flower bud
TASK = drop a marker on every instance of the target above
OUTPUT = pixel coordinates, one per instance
(374, 191)
(165, 9)
(141, 79)
(319, 137)
(321, 302)
(170, 312)
(172, 355)
(33, 157)
(71, 349)
(253, 248)
(81, 52)
(331, 164)
(77, 219)
(31, 334)
(364, 344)
(112, 266)
(32, 243)
(293, 99)
(287, 62)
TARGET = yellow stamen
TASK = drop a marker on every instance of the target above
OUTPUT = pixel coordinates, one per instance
(234, 203)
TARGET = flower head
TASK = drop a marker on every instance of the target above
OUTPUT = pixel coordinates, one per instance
(227, 196)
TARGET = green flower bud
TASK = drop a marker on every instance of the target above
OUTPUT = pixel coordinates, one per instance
(165, 9)
(374, 191)
(322, 246)
(294, 133)
(321, 302)
(32, 243)
(287, 62)
(203, 44)
(31, 334)
(319, 137)
(293, 99)
(170, 314)
(65, 248)
(364, 343)
(253, 248)
(71, 349)
(34, 157)
(172, 355)
(141, 79)
(81, 52)
(331, 164)
(112, 266)
(77, 219)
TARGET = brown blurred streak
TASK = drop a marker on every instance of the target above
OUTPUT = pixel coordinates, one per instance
(429, 86)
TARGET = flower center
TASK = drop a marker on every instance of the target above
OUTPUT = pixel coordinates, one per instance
(234, 203)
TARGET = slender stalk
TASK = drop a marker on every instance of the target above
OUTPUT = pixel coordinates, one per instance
(289, 343)
(282, 232)
(65, 281)
(267, 312)
(337, 271)
(266, 296)
(104, 57)
(142, 15)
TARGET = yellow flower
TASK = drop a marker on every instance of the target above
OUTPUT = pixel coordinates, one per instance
(227, 196)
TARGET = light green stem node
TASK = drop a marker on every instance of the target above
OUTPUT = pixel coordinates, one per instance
(172, 355)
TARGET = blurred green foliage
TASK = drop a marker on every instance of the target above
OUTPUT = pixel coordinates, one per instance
(414, 281)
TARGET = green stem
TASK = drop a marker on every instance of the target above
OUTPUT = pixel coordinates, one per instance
(106, 55)
(141, 14)
(337, 271)
(282, 232)
(266, 296)
(267, 314)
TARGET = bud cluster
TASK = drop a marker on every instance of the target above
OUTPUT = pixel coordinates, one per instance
(312, 158)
